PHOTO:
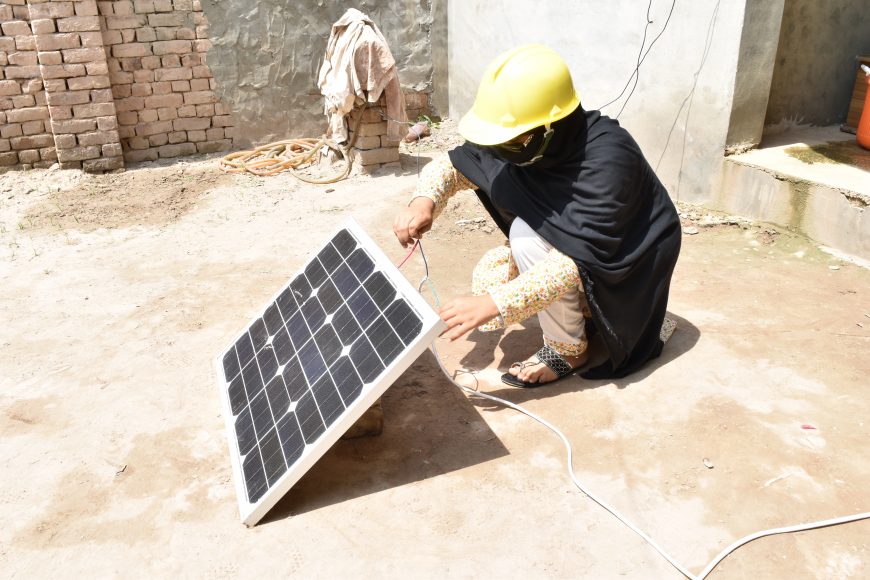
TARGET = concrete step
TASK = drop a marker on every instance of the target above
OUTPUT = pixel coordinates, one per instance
(813, 180)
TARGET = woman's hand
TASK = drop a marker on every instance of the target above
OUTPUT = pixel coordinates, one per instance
(413, 221)
(466, 313)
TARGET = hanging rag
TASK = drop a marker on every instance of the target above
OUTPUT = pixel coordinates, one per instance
(359, 67)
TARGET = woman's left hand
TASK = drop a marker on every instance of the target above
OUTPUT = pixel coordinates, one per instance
(466, 313)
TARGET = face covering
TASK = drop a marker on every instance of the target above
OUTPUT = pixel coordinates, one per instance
(528, 151)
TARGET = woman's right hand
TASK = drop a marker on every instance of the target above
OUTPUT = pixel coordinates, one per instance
(414, 221)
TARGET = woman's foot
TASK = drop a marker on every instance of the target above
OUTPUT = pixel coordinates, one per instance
(533, 370)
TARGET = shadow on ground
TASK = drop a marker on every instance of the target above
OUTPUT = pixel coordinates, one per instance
(430, 429)
(519, 344)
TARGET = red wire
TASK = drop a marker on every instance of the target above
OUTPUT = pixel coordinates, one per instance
(406, 258)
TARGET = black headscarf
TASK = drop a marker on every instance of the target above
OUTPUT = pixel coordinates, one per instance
(595, 198)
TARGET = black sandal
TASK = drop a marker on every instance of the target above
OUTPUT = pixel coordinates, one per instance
(549, 357)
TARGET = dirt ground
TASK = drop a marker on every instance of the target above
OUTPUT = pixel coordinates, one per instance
(117, 291)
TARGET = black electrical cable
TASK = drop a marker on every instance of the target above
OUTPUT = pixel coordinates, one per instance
(641, 56)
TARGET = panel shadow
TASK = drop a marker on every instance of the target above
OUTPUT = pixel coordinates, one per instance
(430, 428)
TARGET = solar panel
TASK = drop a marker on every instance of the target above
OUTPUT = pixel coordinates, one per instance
(313, 360)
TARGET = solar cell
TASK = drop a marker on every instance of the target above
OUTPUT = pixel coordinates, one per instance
(313, 360)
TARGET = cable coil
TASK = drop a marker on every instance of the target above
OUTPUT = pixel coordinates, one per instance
(291, 155)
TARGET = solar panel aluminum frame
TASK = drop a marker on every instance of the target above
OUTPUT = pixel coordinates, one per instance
(252, 513)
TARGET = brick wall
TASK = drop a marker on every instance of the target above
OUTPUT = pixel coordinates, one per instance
(73, 67)
(163, 88)
(25, 129)
(91, 83)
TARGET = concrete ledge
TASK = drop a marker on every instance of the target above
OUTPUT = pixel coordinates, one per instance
(813, 181)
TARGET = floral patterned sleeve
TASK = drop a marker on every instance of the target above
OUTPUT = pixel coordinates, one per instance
(439, 181)
(536, 288)
(518, 296)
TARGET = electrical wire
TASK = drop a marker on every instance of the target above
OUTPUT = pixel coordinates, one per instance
(570, 452)
(639, 54)
(568, 448)
(640, 62)
(291, 155)
(408, 255)
(635, 75)
(773, 531)
(570, 465)
(579, 485)
(426, 279)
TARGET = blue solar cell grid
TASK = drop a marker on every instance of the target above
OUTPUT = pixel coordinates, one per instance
(332, 331)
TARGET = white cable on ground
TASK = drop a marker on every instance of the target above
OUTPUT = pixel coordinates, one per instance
(683, 570)
(786, 530)
(570, 451)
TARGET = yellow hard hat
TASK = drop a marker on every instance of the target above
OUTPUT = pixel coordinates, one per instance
(524, 88)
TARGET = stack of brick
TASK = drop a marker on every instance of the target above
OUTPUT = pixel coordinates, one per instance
(25, 131)
(372, 148)
(74, 71)
(416, 104)
(163, 88)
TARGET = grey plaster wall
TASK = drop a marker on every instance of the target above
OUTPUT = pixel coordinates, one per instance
(815, 64)
(681, 107)
(440, 98)
(267, 54)
(758, 46)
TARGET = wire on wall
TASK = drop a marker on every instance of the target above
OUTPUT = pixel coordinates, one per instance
(641, 56)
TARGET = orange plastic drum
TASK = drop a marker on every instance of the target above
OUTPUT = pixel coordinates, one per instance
(864, 123)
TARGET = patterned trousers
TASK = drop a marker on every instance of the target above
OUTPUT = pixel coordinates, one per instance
(562, 321)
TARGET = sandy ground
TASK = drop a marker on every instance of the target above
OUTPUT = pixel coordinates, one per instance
(117, 291)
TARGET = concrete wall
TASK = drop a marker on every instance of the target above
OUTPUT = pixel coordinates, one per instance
(267, 55)
(758, 45)
(681, 108)
(815, 64)
(440, 99)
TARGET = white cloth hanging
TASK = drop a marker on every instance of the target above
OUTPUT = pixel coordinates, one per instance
(359, 67)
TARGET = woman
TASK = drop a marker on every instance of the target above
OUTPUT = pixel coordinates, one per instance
(593, 236)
